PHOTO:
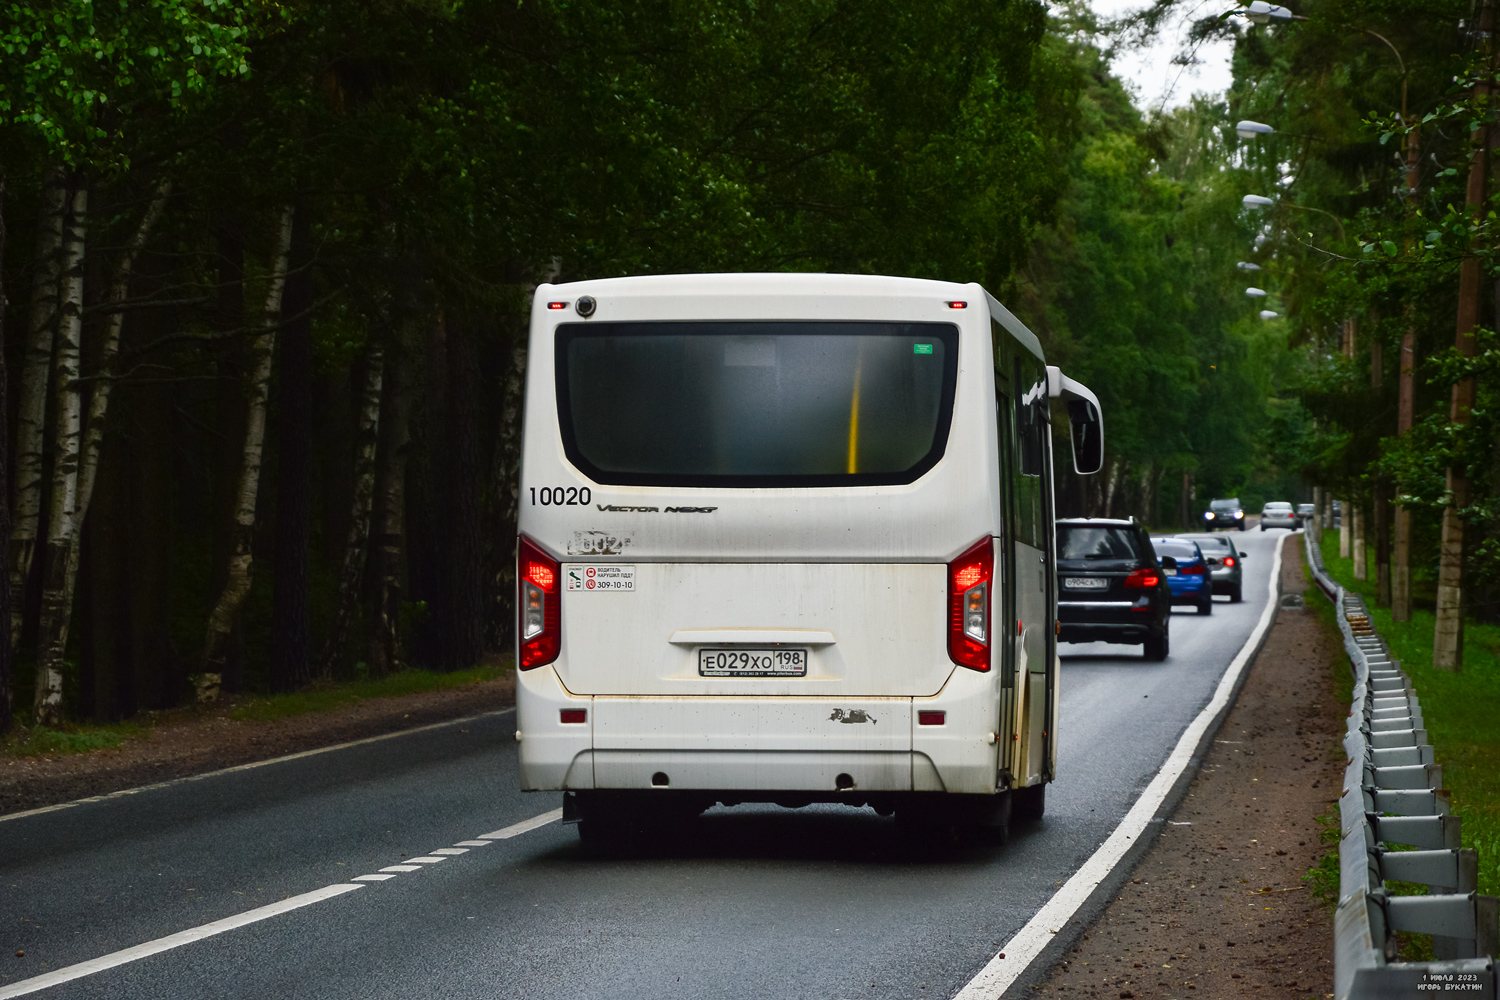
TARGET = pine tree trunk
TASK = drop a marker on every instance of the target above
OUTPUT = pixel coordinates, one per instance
(290, 644)
(1357, 541)
(52, 631)
(356, 548)
(1401, 554)
(1346, 525)
(7, 710)
(386, 652)
(1382, 530)
(31, 416)
(221, 620)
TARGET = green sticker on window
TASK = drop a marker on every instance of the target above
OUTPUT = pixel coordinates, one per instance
(921, 348)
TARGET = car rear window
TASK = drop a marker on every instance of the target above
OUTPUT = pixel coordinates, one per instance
(755, 403)
(1225, 505)
(1079, 541)
(1278, 506)
(1217, 541)
(1177, 550)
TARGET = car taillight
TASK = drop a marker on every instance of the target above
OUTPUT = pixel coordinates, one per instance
(969, 605)
(1228, 562)
(1142, 578)
(538, 612)
(1192, 570)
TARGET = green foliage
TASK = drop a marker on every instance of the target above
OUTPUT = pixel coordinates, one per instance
(78, 75)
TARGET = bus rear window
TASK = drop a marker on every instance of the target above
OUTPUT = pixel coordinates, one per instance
(755, 403)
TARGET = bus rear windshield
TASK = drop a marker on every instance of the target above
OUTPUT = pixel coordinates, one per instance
(755, 403)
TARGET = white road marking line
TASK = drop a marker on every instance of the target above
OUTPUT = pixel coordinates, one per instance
(425, 861)
(1020, 951)
(402, 868)
(372, 878)
(247, 767)
(472, 843)
(450, 850)
(140, 951)
(525, 826)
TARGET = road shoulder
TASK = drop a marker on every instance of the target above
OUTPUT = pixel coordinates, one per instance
(201, 742)
(1217, 906)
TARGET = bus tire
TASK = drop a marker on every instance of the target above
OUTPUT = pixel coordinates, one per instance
(1028, 804)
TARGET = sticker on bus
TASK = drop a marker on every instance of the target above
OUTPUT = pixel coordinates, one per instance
(609, 577)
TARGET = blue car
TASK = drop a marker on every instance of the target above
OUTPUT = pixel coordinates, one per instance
(1187, 572)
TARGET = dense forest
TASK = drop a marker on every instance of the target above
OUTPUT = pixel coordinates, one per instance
(266, 273)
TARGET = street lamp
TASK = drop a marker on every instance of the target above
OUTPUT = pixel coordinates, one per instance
(1256, 293)
(1261, 12)
(1245, 265)
(1268, 314)
(1256, 201)
(1249, 130)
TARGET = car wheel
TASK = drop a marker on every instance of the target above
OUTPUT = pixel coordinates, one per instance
(1235, 595)
(1158, 646)
(1207, 606)
(1242, 526)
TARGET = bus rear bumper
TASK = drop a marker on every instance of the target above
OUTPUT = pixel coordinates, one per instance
(831, 748)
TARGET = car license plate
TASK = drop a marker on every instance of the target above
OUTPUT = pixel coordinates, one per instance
(1170, 572)
(1085, 583)
(752, 663)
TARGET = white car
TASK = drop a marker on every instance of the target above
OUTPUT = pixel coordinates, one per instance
(1278, 515)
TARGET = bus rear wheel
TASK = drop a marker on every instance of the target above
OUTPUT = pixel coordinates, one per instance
(1028, 804)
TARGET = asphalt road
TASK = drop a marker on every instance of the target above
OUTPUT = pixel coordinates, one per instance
(757, 902)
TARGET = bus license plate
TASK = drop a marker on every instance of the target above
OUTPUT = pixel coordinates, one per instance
(752, 663)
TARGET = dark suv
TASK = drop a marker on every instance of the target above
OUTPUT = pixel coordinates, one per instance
(1110, 587)
(1228, 513)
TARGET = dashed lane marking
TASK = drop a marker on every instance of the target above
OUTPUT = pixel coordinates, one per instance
(140, 951)
(515, 830)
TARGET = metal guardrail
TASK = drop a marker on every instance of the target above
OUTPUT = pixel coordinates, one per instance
(1393, 795)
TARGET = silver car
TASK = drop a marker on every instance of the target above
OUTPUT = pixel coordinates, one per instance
(1278, 515)
(1224, 563)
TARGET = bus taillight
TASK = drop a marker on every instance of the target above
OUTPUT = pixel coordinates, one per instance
(538, 608)
(969, 605)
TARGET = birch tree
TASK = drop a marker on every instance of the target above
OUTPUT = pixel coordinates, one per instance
(241, 559)
(76, 465)
(52, 636)
(356, 548)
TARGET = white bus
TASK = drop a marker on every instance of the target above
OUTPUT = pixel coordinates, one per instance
(788, 538)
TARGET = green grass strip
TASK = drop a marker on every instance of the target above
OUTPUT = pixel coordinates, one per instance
(326, 697)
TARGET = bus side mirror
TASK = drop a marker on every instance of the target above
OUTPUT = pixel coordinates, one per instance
(1086, 418)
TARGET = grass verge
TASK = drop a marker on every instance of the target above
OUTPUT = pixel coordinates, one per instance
(1458, 709)
(320, 697)
(37, 741)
